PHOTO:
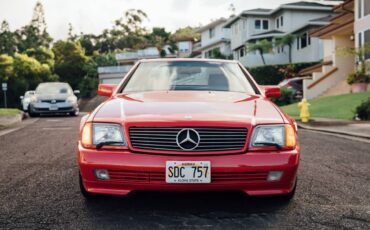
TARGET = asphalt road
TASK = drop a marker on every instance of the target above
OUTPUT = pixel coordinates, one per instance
(39, 189)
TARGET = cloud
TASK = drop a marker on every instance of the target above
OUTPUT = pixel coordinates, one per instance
(92, 16)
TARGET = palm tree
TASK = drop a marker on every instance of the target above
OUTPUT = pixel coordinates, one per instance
(286, 40)
(262, 46)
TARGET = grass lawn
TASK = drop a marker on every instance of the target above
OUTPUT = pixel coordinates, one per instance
(9, 112)
(338, 107)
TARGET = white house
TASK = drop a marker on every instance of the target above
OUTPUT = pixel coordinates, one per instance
(297, 18)
(362, 23)
(329, 77)
(214, 37)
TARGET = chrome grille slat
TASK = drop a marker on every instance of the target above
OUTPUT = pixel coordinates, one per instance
(211, 138)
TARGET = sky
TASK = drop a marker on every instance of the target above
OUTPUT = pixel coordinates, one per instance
(92, 16)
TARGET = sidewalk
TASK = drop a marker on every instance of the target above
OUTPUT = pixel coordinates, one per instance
(344, 127)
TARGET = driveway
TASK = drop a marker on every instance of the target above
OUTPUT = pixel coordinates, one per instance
(39, 189)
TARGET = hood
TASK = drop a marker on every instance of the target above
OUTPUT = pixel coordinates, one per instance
(188, 107)
(52, 96)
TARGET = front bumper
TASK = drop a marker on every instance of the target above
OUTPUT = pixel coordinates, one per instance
(49, 108)
(136, 171)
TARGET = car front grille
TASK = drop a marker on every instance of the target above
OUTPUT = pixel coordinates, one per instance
(135, 176)
(53, 101)
(210, 138)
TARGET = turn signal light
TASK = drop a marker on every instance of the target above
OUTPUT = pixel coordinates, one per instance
(290, 137)
(86, 136)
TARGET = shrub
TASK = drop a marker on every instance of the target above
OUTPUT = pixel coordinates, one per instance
(358, 77)
(285, 98)
(273, 74)
(363, 110)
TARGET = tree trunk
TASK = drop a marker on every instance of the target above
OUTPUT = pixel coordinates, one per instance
(262, 57)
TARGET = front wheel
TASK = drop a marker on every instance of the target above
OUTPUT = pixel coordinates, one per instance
(31, 113)
(75, 113)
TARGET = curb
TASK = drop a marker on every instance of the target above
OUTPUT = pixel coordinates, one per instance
(351, 134)
(8, 121)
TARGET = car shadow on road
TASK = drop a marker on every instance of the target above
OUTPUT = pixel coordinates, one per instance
(199, 203)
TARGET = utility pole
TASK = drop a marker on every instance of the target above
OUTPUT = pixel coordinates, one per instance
(5, 88)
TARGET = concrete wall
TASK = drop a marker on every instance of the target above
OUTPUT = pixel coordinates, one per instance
(344, 63)
(311, 53)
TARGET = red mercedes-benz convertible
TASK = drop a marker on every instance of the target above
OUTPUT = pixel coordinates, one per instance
(188, 125)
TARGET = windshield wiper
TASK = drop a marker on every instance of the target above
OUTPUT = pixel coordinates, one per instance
(269, 144)
(101, 144)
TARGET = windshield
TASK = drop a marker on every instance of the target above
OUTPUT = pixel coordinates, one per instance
(188, 75)
(53, 88)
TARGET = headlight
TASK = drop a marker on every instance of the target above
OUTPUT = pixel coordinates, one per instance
(281, 136)
(102, 134)
(72, 100)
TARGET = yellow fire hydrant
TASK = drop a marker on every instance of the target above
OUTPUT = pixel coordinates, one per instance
(305, 112)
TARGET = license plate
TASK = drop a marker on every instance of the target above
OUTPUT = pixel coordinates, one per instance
(188, 172)
(53, 107)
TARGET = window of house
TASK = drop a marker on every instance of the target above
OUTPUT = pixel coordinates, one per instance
(241, 52)
(257, 24)
(367, 41)
(366, 7)
(265, 24)
(309, 39)
(298, 43)
(277, 23)
(281, 21)
(359, 9)
(304, 41)
(211, 32)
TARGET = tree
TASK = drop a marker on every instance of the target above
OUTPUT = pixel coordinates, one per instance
(43, 55)
(6, 67)
(8, 42)
(70, 61)
(286, 40)
(186, 33)
(262, 47)
(34, 35)
(159, 38)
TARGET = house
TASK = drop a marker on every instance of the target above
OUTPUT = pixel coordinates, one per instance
(215, 39)
(184, 47)
(362, 24)
(297, 18)
(329, 77)
(114, 74)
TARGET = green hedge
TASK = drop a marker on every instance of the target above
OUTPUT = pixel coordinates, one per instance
(270, 74)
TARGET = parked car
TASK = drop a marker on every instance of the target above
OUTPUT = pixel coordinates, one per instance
(188, 125)
(26, 99)
(295, 85)
(52, 98)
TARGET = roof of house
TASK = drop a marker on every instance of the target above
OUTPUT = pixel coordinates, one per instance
(304, 3)
(210, 25)
(322, 19)
(301, 5)
(269, 32)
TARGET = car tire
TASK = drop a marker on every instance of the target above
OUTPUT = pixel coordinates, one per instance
(86, 194)
(32, 114)
(75, 113)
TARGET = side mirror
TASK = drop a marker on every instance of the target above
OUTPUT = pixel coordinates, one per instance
(271, 91)
(21, 97)
(76, 91)
(106, 90)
